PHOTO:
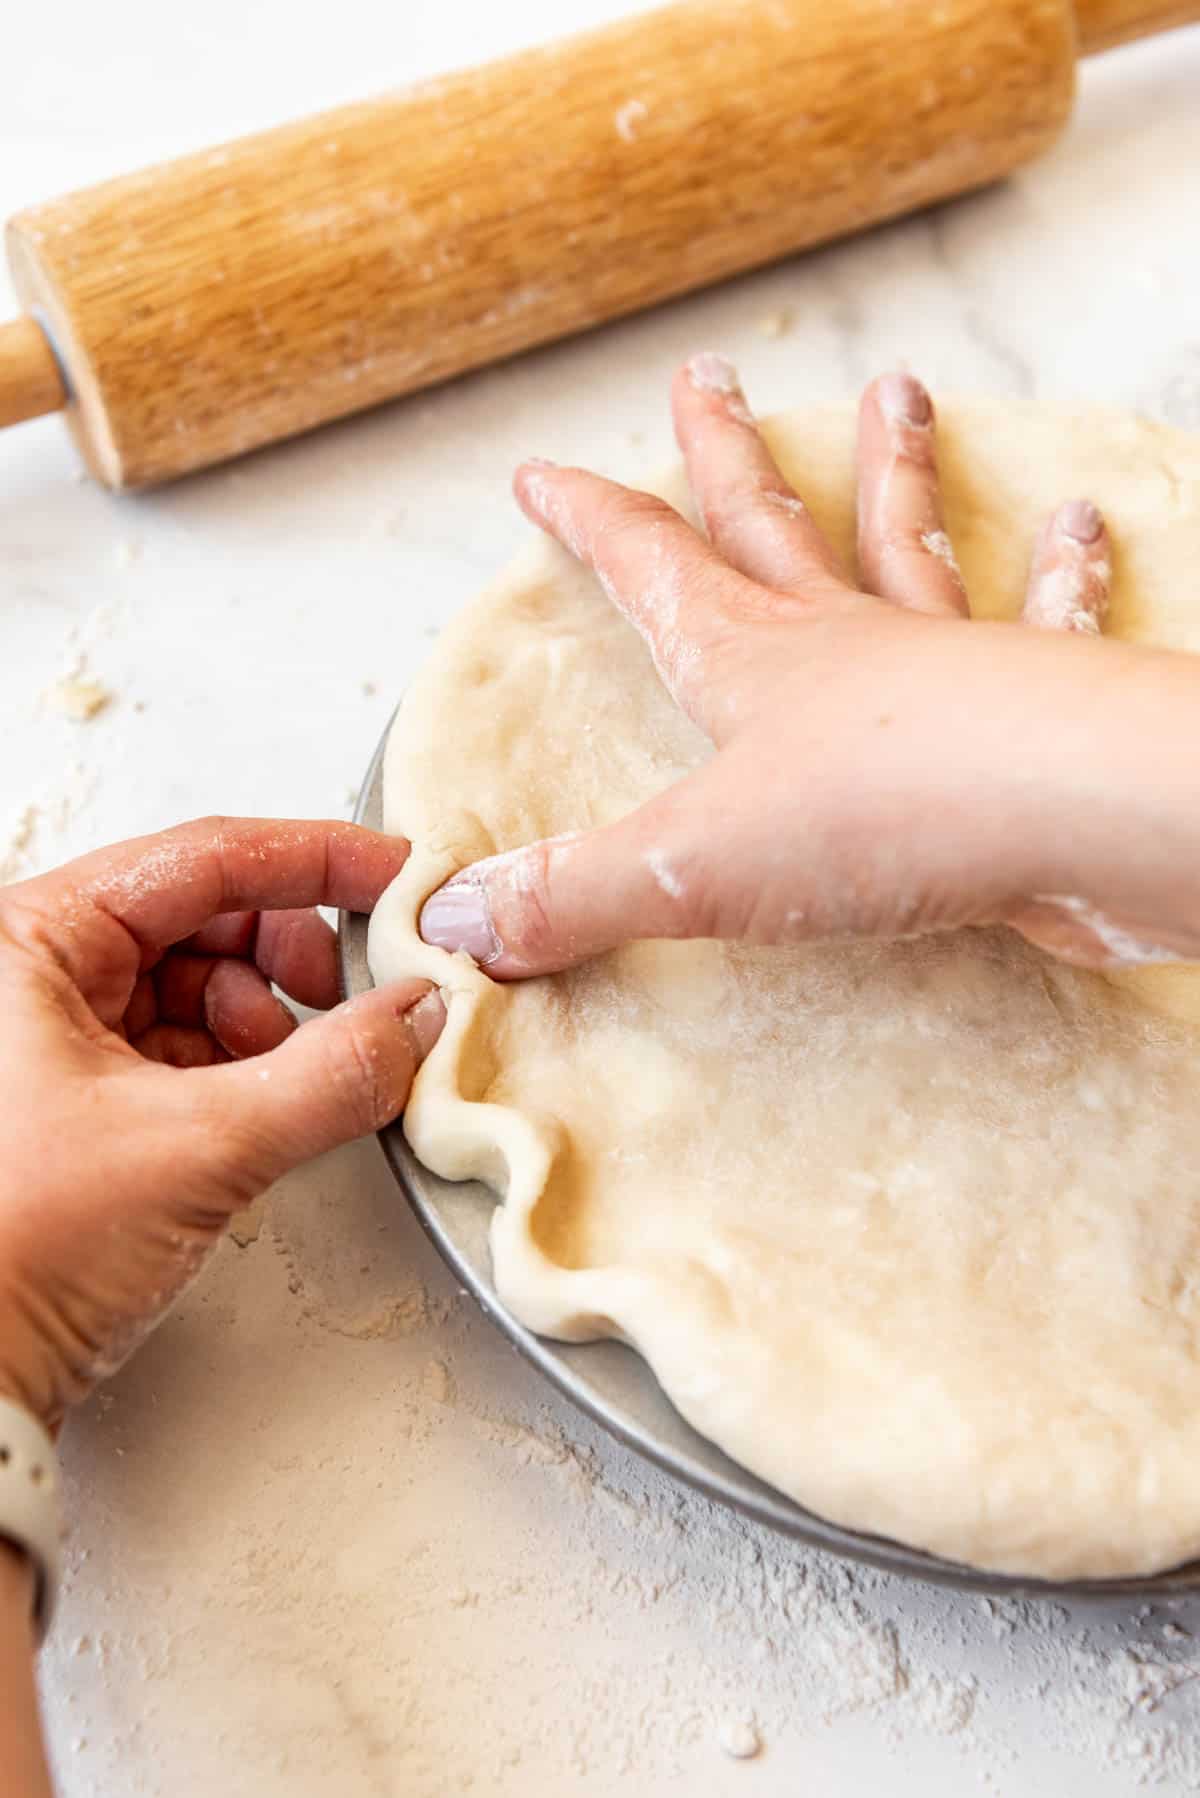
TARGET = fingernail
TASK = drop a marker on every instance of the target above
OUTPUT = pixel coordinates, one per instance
(458, 916)
(426, 1019)
(903, 399)
(1080, 519)
(710, 373)
(534, 488)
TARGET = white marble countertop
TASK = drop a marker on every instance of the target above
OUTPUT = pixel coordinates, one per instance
(330, 1536)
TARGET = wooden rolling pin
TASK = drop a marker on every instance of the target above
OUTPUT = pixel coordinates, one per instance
(223, 301)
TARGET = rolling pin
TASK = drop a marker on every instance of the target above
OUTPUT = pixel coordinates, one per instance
(231, 298)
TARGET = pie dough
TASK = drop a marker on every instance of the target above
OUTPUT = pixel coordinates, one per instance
(911, 1230)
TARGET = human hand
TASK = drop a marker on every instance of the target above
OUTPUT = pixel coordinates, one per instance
(884, 766)
(155, 1084)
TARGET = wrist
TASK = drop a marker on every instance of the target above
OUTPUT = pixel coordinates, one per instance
(1071, 774)
(1125, 827)
(31, 1529)
(21, 1754)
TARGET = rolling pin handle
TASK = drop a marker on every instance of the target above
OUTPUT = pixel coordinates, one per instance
(1107, 24)
(30, 381)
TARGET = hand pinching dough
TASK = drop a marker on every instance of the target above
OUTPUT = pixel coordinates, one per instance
(913, 1231)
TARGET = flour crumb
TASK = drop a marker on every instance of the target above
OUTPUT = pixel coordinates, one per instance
(938, 544)
(945, 1706)
(629, 118)
(1122, 949)
(22, 848)
(738, 1738)
(383, 1323)
(77, 696)
(14, 851)
(665, 877)
(776, 324)
(246, 1227)
(436, 1383)
(127, 552)
(792, 505)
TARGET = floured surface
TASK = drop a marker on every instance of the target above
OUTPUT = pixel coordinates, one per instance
(518, 1605)
(910, 1231)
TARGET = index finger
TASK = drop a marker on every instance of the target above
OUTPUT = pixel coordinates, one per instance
(664, 576)
(162, 888)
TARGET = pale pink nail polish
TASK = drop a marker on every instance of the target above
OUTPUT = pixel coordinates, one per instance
(903, 399)
(709, 372)
(538, 462)
(458, 916)
(1080, 519)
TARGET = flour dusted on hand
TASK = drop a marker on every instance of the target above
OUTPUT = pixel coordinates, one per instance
(911, 1230)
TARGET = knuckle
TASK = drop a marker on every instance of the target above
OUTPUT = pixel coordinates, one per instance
(247, 1160)
(926, 551)
(917, 449)
(23, 924)
(279, 943)
(523, 903)
(211, 824)
(710, 911)
(728, 610)
(745, 495)
(897, 537)
(629, 509)
(363, 1076)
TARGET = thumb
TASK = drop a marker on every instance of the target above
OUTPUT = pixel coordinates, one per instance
(549, 905)
(339, 1076)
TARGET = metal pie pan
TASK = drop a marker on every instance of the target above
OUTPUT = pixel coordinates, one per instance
(614, 1386)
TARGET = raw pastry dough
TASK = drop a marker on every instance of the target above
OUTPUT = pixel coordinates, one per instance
(912, 1231)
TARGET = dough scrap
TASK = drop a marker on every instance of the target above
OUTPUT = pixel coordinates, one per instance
(912, 1231)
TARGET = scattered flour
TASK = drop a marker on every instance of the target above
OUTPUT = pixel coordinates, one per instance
(629, 118)
(436, 1382)
(664, 876)
(739, 1738)
(938, 544)
(1073, 597)
(246, 1226)
(77, 696)
(787, 502)
(14, 849)
(491, 1527)
(1122, 950)
(778, 323)
(27, 844)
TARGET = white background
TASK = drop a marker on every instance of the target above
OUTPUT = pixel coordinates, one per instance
(330, 1537)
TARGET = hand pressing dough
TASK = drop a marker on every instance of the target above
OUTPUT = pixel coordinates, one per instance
(912, 1231)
